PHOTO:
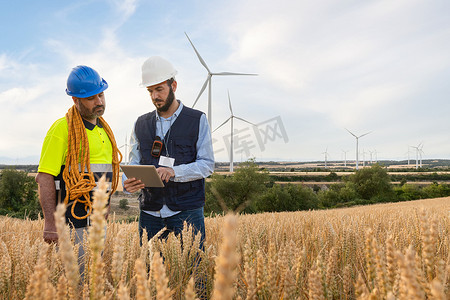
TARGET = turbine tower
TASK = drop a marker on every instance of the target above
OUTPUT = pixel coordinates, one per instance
(208, 81)
(357, 141)
(232, 116)
(408, 156)
(371, 156)
(345, 157)
(376, 155)
(326, 156)
(417, 156)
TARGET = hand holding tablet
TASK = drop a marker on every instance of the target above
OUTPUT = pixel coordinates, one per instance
(146, 173)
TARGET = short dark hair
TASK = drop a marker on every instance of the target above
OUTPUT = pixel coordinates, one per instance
(170, 81)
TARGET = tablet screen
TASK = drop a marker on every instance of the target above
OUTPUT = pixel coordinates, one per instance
(146, 173)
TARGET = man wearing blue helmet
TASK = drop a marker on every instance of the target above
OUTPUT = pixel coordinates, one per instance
(78, 149)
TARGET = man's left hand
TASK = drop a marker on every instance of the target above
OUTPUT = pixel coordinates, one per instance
(165, 173)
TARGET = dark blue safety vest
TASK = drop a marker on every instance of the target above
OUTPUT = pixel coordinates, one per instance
(181, 145)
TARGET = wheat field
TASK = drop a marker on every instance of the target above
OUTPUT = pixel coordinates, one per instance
(385, 251)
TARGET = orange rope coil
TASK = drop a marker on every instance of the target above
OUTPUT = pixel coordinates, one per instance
(80, 182)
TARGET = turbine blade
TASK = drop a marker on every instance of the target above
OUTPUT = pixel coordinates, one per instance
(244, 120)
(351, 133)
(223, 123)
(202, 90)
(198, 55)
(229, 102)
(232, 73)
(364, 134)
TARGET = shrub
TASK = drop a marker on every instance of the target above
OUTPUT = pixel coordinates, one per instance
(436, 190)
(123, 204)
(288, 197)
(409, 192)
(304, 197)
(18, 197)
(373, 182)
(275, 199)
(238, 191)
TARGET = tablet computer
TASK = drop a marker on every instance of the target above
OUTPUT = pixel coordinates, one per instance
(146, 173)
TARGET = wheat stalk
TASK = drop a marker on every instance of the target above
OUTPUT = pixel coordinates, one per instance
(66, 252)
(97, 239)
(227, 261)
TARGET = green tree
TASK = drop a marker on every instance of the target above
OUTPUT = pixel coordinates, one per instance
(275, 199)
(304, 197)
(18, 194)
(348, 193)
(237, 191)
(328, 198)
(373, 183)
(409, 192)
(436, 190)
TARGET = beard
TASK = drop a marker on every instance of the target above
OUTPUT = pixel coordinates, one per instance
(91, 114)
(167, 103)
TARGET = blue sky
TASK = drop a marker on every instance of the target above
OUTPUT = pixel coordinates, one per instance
(323, 66)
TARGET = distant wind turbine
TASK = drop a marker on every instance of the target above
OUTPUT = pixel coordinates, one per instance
(419, 153)
(364, 157)
(375, 155)
(125, 156)
(371, 156)
(232, 116)
(345, 157)
(357, 141)
(417, 156)
(408, 155)
(326, 156)
(208, 81)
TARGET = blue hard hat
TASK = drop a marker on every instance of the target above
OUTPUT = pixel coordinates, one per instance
(85, 82)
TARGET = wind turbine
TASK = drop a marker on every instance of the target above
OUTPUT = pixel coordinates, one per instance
(376, 155)
(417, 156)
(326, 155)
(345, 157)
(357, 141)
(371, 156)
(208, 81)
(232, 116)
(419, 152)
(408, 155)
(125, 156)
(364, 157)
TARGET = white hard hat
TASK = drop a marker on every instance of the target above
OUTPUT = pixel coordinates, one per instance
(156, 70)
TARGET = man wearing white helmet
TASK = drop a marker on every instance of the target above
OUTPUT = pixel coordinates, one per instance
(78, 149)
(177, 140)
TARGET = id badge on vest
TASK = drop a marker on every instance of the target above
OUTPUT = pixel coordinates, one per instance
(166, 161)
